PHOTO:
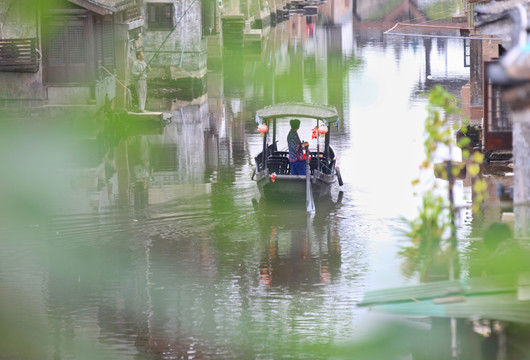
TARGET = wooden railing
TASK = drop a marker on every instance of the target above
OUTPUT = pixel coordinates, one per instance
(131, 9)
(19, 55)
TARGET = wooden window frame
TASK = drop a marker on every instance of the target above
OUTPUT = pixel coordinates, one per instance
(467, 52)
(160, 16)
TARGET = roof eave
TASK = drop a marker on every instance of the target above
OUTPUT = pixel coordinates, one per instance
(98, 9)
(294, 109)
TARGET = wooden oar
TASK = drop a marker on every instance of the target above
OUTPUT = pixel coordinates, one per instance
(310, 203)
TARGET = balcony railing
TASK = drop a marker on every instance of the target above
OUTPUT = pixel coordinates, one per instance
(19, 55)
(131, 9)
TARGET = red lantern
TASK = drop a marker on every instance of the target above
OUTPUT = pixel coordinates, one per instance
(273, 177)
(263, 128)
(322, 129)
(314, 133)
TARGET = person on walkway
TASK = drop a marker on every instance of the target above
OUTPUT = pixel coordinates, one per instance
(296, 157)
(139, 72)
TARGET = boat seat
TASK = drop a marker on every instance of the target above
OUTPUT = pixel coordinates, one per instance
(281, 153)
(279, 164)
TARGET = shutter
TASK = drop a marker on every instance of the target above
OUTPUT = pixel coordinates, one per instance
(56, 46)
(167, 16)
(98, 40)
(151, 16)
(108, 43)
(66, 53)
(76, 44)
(18, 55)
(77, 54)
(55, 53)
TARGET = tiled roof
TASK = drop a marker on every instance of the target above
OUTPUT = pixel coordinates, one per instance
(109, 5)
(509, 21)
(119, 5)
(496, 11)
(501, 19)
(497, 7)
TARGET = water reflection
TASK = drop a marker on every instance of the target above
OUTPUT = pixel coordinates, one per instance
(143, 240)
(300, 249)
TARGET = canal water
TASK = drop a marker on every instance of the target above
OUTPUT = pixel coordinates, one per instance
(125, 240)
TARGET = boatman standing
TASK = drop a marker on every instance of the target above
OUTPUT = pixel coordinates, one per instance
(296, 157)
(139, 72)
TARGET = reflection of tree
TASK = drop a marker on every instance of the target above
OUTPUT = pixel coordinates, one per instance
(497, 254)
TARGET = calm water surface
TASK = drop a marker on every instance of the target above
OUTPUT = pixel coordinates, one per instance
(135, 241)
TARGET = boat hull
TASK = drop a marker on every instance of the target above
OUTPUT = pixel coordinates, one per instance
(293, 187)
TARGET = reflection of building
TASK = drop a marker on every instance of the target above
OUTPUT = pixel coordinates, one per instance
(177, 162)
(175, 41)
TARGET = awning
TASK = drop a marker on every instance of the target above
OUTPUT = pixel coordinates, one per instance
(298, 109)
(434, 31)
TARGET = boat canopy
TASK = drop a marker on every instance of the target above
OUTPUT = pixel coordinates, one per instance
(326, 113)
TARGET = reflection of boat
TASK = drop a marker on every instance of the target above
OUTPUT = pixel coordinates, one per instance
(272, 167)
(300, 249)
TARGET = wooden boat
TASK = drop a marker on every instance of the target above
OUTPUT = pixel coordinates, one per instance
(272, 167)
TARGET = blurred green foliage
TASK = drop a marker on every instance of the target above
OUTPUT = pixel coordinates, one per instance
(432, 234)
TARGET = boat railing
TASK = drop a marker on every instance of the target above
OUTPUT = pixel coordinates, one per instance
(278, 162)
(280, 153)
(259, 162)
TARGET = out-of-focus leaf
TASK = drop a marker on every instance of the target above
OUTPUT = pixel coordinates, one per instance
(464, 141)
(480, 185)
(478, 157)
(473, 169)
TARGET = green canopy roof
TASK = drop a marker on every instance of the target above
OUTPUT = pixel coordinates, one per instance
(296, 109)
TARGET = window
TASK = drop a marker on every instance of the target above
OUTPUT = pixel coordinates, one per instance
(467, 52)
(499, 117)
(160, 16)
